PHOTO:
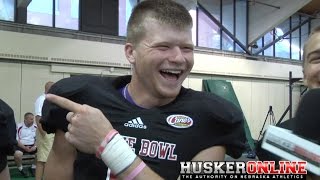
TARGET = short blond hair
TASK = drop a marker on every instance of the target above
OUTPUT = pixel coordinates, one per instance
(164, 11)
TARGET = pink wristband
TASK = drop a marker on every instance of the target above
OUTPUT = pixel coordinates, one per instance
(136, 171)
(105, 141)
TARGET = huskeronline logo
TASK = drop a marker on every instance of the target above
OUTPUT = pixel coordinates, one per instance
(243, 170)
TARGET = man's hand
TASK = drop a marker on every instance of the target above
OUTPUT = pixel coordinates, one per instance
(33, 148)
(87, 125)
(26, 148)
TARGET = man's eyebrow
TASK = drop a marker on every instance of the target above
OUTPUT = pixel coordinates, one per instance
(313, 52)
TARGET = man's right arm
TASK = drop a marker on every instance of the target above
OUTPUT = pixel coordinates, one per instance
(61, 158)
(22, 146)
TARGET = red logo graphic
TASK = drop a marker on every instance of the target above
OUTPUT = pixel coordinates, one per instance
(179, 121)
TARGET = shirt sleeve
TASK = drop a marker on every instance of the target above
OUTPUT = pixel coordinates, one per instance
(38, 105)
(235, 137)
(54, 117)
(19, 126)
(7, 128)
(225, 126)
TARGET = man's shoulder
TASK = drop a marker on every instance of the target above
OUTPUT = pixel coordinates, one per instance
(6, 111)
(208, 97)
(75, 84)
(19, 125)
(213, 105)
(2, 104)
(79, 80)
(5, 107)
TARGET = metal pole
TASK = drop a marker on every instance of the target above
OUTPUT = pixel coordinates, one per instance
(290, 94)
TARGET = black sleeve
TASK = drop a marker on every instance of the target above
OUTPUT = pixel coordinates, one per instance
(12, 129)
(54, 117)
(231, 134)
(7, 128)
(225, 126)
(235, 137)
(3, 130)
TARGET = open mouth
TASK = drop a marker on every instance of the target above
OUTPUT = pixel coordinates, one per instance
(171, 74)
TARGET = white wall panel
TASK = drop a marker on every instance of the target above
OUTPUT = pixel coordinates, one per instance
(195, 83)
(260, 106)
(276, 98)
(186, 83)
(10, 85)
(243, 90)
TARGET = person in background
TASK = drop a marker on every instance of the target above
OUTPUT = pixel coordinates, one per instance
(7, 137)
(26, 137)
(43, 140)
(141, 126)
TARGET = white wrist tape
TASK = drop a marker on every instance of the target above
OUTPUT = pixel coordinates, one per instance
(118, 155)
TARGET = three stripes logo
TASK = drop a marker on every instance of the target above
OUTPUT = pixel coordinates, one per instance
(135, 123)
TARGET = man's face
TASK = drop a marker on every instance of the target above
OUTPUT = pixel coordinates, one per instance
(162, 59)
(28, 121)
(312, 62)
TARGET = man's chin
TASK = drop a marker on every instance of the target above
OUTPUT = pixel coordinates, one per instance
(170, 93)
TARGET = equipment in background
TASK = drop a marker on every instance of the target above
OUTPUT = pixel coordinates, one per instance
(302, 143)
(272, 121)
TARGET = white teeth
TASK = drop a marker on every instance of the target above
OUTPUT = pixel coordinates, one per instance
(172, 71)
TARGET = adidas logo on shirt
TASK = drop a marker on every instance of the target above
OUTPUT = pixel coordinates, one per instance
(135, 123)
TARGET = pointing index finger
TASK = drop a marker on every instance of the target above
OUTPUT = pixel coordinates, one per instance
(64, 103)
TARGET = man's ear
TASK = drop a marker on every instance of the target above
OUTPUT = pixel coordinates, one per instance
(129, 52)
(305, 81)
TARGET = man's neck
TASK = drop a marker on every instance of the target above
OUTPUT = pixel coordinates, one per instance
(144, 98)
(27, 125)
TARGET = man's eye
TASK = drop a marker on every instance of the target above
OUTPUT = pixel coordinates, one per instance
(163, 47)
(315, 60)
(187, 49)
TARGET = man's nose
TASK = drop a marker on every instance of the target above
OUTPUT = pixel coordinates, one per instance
(176, 55)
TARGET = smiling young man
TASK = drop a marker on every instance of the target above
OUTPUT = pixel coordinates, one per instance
(156, 117)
